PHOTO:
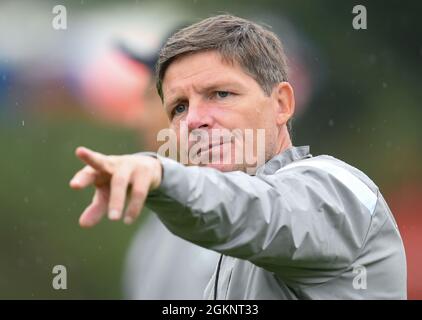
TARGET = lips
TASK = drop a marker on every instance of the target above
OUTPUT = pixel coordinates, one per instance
(202, 147)
(209, 147)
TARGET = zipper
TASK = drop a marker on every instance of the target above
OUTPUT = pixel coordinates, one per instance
(216, 277)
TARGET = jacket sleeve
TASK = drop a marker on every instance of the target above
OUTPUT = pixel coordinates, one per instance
(292, 223)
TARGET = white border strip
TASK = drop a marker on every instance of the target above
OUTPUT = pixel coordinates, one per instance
(354, 184)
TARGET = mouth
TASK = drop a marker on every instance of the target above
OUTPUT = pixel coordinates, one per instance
(207, 149)
(208, 145)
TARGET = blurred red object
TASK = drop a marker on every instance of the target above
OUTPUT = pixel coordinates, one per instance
(113, 88)
(406, 205)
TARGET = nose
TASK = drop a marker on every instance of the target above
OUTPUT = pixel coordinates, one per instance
(198, 117)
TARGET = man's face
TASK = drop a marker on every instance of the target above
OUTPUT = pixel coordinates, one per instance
(204, 93)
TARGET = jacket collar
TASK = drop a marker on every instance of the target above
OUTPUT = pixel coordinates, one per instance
(284, 158)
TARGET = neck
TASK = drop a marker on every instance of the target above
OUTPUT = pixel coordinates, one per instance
(284, 140)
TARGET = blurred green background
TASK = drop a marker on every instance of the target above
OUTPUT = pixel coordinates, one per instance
(363, 107)
(39, 213)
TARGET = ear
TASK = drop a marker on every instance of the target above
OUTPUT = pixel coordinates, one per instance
(285, 102)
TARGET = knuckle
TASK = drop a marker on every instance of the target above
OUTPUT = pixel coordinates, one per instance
(119, 180)
(138, 193)
(142, 170)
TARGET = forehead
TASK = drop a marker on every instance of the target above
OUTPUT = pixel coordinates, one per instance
(202, 69)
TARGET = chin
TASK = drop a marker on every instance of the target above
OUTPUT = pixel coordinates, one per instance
(221, 167)
(225, 167)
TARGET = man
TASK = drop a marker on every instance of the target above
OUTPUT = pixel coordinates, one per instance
(297, 227)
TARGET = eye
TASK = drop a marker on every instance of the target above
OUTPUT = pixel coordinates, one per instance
(180, 108)
(222, 94)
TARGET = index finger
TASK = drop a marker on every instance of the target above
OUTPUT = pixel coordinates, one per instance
(94, 159)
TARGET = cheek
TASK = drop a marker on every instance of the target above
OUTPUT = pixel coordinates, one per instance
(266, 115)
(258, 117)
(180, 131)
(245, 113)
(174, 126)
(259, 112)
(234, 117)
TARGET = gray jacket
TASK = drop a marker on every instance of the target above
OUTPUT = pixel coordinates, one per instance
(162, 266)
(302, 227)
